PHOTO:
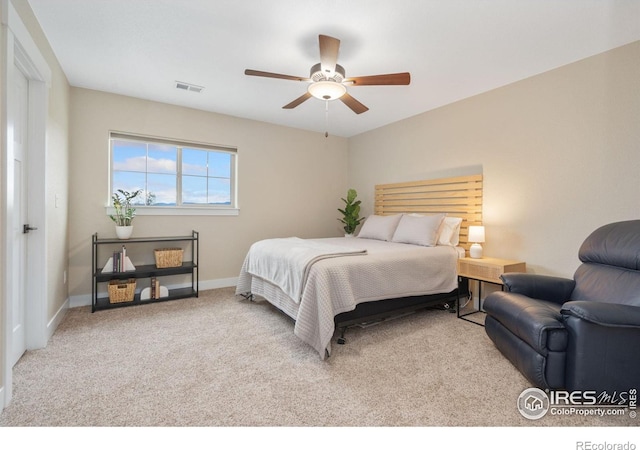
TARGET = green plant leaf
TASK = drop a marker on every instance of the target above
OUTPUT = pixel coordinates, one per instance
(351, 212)
(124, 211)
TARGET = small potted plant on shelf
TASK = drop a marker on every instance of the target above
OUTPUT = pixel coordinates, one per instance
(124, 212)
(351, 213)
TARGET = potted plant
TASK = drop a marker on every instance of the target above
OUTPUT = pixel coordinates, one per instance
(124, 212)
(351, 213)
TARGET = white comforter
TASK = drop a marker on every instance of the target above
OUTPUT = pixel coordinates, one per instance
(337, 285)
(286, 262)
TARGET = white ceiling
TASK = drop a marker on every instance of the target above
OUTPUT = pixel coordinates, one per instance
(452, 48)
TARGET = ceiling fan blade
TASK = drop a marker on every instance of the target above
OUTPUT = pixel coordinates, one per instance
(402, 78)
(297, 101)
(259, 73)
(329, 48)
(354, 104)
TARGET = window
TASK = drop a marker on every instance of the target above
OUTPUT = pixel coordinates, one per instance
(173, 174)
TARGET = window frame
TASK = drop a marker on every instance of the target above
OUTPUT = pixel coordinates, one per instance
(178, 209)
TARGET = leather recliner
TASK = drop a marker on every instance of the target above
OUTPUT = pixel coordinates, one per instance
(581, 333)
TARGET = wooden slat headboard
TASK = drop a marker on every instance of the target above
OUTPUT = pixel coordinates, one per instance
(457, 197)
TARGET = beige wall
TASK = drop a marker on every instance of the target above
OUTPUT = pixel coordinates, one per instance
(289, 182)
(559, 152)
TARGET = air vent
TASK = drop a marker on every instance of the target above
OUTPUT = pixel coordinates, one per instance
(188, 87)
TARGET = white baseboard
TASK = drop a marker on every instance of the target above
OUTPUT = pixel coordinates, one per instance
(76, 301)
(218, 284)
(57, 318)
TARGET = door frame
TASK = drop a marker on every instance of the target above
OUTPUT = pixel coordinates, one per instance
(19, 49)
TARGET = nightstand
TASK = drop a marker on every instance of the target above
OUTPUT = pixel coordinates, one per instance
(485, 270)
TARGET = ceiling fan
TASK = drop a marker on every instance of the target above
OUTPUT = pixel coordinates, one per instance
(328, 80)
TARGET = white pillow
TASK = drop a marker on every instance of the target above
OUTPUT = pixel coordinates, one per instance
(379, 227)
(418, 230)
(450, 231)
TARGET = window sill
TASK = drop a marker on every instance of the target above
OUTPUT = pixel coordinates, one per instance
(179, 211)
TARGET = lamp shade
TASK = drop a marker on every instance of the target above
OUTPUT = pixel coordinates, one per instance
(327, 90)
(476, 233)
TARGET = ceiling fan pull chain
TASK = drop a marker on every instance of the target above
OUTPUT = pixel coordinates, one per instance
(326, 118)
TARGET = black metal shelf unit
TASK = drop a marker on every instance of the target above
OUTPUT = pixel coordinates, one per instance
(144, 271)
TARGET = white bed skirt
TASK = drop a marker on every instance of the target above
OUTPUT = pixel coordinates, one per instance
(274, 295)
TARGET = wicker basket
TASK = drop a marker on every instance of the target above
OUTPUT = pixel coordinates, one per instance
(168, 257)
(122, 291)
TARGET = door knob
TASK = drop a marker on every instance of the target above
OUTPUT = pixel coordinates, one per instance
(26, 228)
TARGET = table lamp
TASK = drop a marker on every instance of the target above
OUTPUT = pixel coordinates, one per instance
(476, 235)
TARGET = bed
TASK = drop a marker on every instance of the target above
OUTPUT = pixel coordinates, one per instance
(333, 283)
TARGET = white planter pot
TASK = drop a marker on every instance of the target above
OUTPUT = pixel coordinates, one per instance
(124, 232)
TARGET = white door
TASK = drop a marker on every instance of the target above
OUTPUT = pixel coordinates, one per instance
(19, 120)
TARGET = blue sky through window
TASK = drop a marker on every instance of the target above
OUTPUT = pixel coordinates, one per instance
(156, 168)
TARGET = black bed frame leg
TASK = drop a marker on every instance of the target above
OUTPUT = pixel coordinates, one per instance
(341, 339)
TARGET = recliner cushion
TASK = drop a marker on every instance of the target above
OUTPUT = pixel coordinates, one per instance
(537, 322)
(600, 283)
(616, 244)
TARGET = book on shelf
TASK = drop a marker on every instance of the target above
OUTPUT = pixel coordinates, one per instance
(159, 291)
(119, 262)
(153, 282)
(155, 289)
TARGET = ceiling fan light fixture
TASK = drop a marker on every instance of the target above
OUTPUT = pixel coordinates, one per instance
(327, 79)
(327, 90)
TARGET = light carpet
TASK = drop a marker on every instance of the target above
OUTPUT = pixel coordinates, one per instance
(222, 361)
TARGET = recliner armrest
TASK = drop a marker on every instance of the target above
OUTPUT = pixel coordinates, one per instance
(542, 287)
(601, 351)
(605, 314)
